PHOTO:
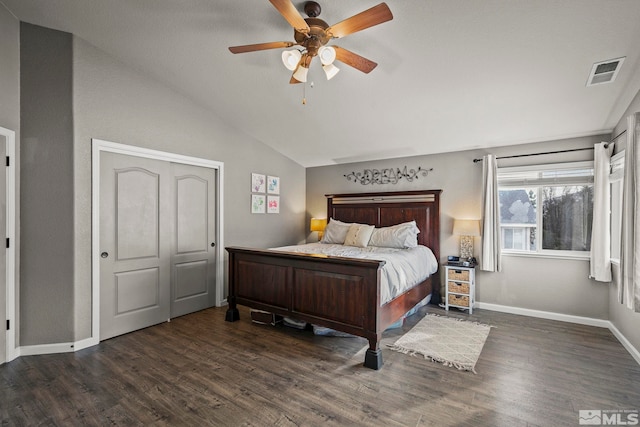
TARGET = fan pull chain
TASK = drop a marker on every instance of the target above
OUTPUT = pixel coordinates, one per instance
(304, 94)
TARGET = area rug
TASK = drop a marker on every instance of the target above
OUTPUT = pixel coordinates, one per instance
(452, 342)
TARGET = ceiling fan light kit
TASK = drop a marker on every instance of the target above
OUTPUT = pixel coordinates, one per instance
(327, 55)
(330, 70)
(291, 59)
(301, 74)
(313, 34)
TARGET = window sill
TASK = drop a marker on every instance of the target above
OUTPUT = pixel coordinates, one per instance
(552, 255)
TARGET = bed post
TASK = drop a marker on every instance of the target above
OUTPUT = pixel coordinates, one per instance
(373, 356)
(232, 312)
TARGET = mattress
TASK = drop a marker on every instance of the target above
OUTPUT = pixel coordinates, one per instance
(403, 268)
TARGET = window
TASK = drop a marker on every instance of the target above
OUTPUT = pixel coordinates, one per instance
(546, 209)
(616, 178)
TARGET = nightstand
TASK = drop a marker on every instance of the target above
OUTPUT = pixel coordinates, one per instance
(461, 287)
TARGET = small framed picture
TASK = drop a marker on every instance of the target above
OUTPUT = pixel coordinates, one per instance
(258, 183)
(273, 204)
(273, 184)
(258, 205)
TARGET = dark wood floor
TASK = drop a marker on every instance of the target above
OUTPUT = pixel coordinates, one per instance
(199, 370)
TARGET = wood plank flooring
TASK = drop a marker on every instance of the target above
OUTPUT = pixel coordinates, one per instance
(200, 370)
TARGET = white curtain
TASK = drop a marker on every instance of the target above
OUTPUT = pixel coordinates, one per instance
(490, 260)
(601, 225)
(629, 286)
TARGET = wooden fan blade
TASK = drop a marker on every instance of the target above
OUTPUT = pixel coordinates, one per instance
(291, 14)
(260, 46)
(353, 59)
(363, 20)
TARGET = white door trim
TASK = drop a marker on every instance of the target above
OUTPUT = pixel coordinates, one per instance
(11, 351)
(98, 146)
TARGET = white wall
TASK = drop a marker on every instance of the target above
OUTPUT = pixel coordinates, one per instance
(116, 103)
(113, 102)
(10, 117)
(625, 320)
(560, 286)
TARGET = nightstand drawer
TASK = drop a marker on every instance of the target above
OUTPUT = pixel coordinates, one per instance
(458, 274)
(459, 300)
(458, 287)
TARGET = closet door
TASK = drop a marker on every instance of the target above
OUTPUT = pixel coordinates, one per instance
(194, 237)
(135, 233)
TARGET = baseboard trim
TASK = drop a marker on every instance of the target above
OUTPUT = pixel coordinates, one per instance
(589, 321)
(625, 342)
(85, 343)
(34, 350)
(600, 323)
(63, 347)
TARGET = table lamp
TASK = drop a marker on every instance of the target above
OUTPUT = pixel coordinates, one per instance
(318, 224)
(466, 229)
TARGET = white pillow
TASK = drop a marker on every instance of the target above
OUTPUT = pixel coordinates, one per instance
(359, 235)
(400, 236)
(335, 232)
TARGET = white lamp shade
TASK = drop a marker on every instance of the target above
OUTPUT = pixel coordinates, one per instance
(327, 55)
(291, 58)
(301, 74)
(466, 227)
(330, 70)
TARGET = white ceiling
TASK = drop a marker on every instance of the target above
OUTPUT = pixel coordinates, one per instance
(452, 74)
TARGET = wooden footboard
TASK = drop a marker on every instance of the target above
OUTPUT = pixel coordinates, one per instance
(338, 293)
(335, 292)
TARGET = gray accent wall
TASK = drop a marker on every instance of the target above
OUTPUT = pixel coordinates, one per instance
(9, 70)
(624, 319)
(554, 285)
(46, 176)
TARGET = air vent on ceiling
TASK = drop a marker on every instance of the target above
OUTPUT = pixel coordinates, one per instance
(604, 72)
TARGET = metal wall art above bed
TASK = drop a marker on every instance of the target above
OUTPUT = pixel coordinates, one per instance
(387, 176)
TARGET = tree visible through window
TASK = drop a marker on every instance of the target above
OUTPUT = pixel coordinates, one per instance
(546, 208)
(567, 213)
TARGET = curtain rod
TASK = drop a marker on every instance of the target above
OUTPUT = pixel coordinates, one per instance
(556, 152)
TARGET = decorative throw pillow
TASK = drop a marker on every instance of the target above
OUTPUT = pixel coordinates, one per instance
(359, 235)
(335, 232)
(399, 236)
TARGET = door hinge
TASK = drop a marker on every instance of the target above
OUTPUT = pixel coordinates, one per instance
(8, 324)
(8, 242)
(8, 161)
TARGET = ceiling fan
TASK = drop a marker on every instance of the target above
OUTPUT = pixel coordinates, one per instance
(313, 34)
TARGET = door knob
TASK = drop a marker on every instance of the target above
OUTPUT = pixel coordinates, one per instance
(213, 244)
(104, 254)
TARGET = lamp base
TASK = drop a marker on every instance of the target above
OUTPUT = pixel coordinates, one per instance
(466, 247)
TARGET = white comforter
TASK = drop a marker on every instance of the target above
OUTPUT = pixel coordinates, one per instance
(404, 268)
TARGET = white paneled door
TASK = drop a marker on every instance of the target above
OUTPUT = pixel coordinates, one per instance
(157, 238)
(193, 268)
(3, 254)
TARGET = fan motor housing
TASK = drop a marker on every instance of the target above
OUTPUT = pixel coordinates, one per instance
(317, 36)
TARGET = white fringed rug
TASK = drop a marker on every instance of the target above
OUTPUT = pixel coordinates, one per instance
(452, 342)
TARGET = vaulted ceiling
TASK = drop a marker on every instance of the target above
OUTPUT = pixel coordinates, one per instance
(452, 74)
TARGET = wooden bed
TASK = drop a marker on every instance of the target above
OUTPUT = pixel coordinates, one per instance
(336, 292)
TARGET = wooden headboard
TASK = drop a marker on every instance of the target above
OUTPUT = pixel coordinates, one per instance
(391, 208)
